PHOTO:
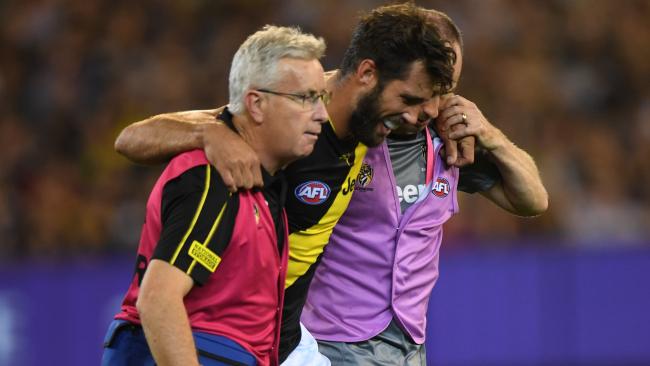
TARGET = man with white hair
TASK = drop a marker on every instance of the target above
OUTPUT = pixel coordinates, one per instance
(210, 273)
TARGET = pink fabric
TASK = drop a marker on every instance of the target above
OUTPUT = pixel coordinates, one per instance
(243, 298)
(381, 264)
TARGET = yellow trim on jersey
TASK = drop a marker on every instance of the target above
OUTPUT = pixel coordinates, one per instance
(196, 215)
(208, 252)
(305, 246)
(331, 124)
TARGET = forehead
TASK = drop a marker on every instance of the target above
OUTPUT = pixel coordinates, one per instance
(300, 75)
(417, 83)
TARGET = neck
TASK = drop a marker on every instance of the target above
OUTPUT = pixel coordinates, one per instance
(249, 132)
(340, 109)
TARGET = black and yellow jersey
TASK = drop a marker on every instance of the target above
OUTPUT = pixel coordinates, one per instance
(320, 188)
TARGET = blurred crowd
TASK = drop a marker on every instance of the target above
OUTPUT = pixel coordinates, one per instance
(567, 80)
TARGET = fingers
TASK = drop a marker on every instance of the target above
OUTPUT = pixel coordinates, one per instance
(463, 122)
(449, 100)
(236, 162)
(257, 176)
(250, 173)
(451, 151)
(466, 148)
(451, 116)
(246, 176)
(459, 131)
(458, 151)
(452, 109)
(239, 174)
(229, 181)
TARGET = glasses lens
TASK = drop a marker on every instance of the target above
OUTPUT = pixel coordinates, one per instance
(325, 97)
(314, 99)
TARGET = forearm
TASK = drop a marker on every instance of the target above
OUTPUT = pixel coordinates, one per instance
(168, 333)
(163, 314)
(521, 190)
(158, 138)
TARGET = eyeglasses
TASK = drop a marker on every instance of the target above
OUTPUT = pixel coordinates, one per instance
(312, 97)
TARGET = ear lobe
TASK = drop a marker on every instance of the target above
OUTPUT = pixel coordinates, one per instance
(255, 105)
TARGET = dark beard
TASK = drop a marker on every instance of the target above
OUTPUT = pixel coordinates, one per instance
(365, 118)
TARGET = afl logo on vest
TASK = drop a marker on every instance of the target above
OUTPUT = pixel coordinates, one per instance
(440, 187)
(312, 192)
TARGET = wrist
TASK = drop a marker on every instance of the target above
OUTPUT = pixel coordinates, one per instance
(496, 141)
(203, 131)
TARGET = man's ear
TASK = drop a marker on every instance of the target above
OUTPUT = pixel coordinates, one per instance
(255, 105)
(366, 73)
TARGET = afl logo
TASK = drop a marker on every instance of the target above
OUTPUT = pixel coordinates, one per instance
(365, 175)
(440, 187)
(312, 192)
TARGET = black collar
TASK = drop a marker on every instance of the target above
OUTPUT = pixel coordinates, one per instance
(270, 180)
(227, 118)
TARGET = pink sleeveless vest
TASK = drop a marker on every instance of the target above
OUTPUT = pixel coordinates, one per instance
(381, 264)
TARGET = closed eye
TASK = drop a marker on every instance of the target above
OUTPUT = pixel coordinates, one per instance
(411, 100)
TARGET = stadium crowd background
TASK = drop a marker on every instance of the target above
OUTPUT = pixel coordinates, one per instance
(567, 80)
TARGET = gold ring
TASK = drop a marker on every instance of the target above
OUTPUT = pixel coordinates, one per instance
(464, 116)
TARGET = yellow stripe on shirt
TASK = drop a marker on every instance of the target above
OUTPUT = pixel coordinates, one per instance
(306, 245)
(207, 241)
(196, 216)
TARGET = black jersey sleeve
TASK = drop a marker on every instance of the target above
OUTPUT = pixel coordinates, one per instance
(197, 216)
(480, 176)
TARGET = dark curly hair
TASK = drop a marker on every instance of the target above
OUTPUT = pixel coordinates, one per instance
(395, 36)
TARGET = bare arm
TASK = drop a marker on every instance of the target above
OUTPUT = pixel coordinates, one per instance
(156, 139)
(521, 190)
(163, 314)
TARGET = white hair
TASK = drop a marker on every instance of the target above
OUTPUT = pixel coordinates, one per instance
(255, 63)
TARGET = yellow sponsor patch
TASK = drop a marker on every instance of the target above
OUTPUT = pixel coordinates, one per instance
(205, 256)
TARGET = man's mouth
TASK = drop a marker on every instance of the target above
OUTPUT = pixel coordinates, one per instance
(312, 133)
(393, 122)
(384, 130)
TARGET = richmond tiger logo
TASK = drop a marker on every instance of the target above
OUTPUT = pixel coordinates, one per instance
(365, 175)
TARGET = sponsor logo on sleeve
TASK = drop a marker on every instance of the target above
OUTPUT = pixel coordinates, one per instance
(313, 192)
(204, 256)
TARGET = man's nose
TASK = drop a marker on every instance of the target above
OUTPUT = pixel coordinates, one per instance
(430, 108)
(423, 112)
(320, 112)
